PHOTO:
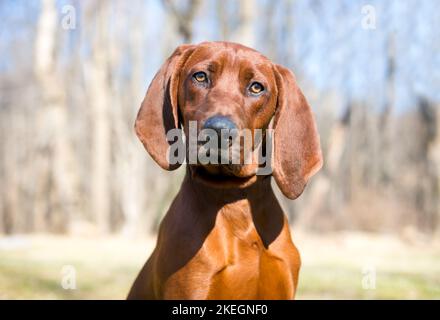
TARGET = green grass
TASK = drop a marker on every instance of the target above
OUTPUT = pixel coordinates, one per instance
(105, 268)
(338, 282)
(332, 267)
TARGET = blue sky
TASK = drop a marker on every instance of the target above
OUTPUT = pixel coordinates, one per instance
(331, 50)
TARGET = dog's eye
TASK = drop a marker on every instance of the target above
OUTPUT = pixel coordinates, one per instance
(256, 88)
(200, 76)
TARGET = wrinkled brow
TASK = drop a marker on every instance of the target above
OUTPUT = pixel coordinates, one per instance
(247, 73)
(213, 66)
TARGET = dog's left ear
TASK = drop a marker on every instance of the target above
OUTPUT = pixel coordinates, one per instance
(297, 151)
(159, 110)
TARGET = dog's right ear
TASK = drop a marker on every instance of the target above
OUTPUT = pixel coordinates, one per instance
(159, 111)
(297, 148)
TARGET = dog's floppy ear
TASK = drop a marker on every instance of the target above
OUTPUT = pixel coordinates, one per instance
(159, 111)
(297, 154)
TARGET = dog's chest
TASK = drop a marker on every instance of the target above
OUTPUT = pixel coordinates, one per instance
(239, 260)
(254, 273)
(250, 272)
(235, 264)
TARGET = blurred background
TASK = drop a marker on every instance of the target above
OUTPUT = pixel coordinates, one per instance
(80, 197)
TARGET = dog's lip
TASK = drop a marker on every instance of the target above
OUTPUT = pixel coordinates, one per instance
(199, 173)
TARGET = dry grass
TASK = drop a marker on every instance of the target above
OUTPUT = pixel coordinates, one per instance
(335, 267)
(31, 266)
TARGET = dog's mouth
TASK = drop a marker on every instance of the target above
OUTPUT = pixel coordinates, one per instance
(233, 166)
(224, 176)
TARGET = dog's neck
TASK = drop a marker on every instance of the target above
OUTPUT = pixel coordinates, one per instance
(220, 195)
(254, 206)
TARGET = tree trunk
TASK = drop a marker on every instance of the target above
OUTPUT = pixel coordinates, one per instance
(100, 100)
(245, 34)
(184, 16)
(56, 189)
(385, 125)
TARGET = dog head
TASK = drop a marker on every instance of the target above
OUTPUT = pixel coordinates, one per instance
(221, 86)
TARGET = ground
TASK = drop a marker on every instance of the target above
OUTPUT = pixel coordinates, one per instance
(343, 265)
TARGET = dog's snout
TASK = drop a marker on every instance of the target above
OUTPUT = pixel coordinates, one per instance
(219, 123)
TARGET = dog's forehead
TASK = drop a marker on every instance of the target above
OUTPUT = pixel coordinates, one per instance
(215, 55)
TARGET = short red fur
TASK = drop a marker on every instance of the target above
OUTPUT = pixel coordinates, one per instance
(225, 235)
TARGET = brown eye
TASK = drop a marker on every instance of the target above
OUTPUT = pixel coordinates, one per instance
(200, 76)
(256, 88)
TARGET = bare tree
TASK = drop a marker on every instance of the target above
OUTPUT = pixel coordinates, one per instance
(385, 125)
(184, 16)
(224, 19)
(428, 188)
(245, 33)
(56, 189)
(100, 103)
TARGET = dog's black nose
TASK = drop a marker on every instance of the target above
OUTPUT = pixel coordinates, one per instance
(219, 123)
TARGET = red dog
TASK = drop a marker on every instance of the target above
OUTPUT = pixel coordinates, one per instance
(225, 235)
